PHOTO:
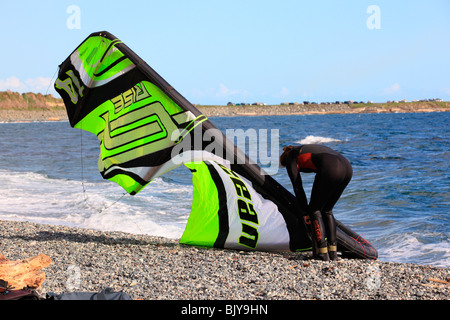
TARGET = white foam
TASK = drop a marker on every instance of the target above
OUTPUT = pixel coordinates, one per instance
(161, 210)
(409, 247)
(317, 140)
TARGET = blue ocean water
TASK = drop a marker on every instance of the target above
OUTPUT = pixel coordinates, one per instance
(398, 197)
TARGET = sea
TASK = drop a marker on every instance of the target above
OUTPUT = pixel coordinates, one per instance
(398, 198)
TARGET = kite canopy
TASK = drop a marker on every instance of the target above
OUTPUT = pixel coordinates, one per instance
(146, 128)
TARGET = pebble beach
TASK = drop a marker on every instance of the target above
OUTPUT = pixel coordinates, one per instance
(155, 268)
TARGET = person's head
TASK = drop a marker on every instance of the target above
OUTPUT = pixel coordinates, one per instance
(284, 155)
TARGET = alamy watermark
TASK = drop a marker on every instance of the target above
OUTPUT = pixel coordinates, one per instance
(374, 20)
(74, 19)
(73, 281)
(257, 146)
(373, 277)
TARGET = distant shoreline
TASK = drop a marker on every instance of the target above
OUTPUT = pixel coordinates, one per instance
(273, 110)
(29, 107)
(17, 114)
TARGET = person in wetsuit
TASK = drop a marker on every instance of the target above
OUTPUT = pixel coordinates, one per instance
(333, 173)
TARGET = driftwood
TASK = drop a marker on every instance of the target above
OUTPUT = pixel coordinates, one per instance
(440, 281)
(23, 273)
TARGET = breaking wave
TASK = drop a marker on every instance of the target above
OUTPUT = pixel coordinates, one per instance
(317, 140)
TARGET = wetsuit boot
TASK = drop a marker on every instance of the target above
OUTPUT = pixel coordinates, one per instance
(330, 226)
(320, 250)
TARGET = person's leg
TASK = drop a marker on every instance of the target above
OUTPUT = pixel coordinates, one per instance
(319, 196)
(328, 186)
(343, 173)
(319, 241)
(330, 228)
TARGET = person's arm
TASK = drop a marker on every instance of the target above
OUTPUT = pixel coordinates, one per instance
(294, 175)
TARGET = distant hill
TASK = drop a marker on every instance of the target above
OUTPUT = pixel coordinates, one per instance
(29, 101)
(29, 106)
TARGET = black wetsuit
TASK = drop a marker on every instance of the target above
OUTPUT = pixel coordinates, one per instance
(333, 173)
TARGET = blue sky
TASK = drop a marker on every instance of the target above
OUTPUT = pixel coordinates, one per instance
(213, 51)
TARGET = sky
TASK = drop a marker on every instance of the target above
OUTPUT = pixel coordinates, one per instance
(214, 52)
